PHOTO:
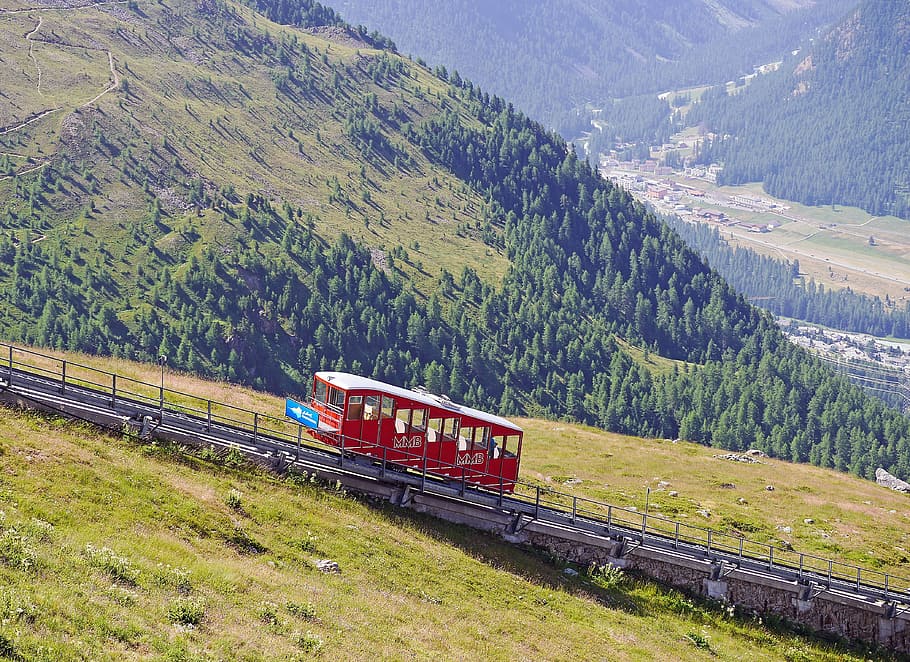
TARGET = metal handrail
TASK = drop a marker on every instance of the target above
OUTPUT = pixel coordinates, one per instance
(644, 524)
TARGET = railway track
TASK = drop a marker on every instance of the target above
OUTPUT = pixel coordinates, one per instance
(620, 529)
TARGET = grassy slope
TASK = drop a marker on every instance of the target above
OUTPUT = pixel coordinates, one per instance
(856, 521)
(409, 587)
(192, 99)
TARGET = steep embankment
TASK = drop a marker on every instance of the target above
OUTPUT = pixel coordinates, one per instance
(258, 201)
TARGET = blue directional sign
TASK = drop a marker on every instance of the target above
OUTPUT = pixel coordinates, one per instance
(301, 413)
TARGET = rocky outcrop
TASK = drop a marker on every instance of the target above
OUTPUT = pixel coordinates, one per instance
(882, 477)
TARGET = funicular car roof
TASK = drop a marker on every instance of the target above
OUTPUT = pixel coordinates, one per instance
(348, 382)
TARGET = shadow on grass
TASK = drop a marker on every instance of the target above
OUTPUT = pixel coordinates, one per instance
(630, 591)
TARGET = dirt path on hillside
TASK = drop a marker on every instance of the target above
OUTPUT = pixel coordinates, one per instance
(31, 53)
(25, 10)
(34, 118)
(115, 81)
(24, 172)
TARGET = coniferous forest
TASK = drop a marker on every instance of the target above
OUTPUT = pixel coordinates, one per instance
(589, 273)
(830, 127)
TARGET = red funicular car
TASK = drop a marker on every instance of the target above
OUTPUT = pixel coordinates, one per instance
(416, 429)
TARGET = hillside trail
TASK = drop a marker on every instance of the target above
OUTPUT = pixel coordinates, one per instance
(29, 37)
(31, 52)
(25, 172)
(115, 82)
(25, 10)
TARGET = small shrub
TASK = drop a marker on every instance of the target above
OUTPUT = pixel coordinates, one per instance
(186, 612)
(308, 642)
(309, 544)
(607, 577)
(794, 654)
(268, 612)
(38, 530)
(17, 607)
(122, 596)
(7, 648)
(234, 458)
(234, 499)
(700, 641)
(119, 568)
(305, 611)
(178, 578)
(15, 550)
(208, 454)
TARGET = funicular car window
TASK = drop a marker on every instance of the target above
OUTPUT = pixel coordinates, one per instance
(336, 397)
(388, 407)
(319, 394)
(466, 438)
(419, 418)
(496, 446)
(402, 420)
(355, 407)
(434, 430)
(450, 427)
(371, 408)
(511, 445)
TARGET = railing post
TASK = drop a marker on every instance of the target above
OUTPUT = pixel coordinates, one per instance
(114, 391)
(574, 508)
(886, 586)
(609, 517)
(740, 550)
(709, 541)
(255, 426)
(858, 573)
(500, 489)
(644, 525)
(10, 365)
(800, 567)
(770, 556)
(464, 482)
(299, 435)
(382, 466)
(208, 418)
(63, 378)
(341, 457)
(676, 539)
(830, 563)
(537, 504)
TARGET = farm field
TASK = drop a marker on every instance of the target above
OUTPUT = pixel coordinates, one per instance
(831, 244)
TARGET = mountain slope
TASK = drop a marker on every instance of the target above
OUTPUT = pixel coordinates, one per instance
(578, 51)
(830, 126)
(258, 201)
(111, 551)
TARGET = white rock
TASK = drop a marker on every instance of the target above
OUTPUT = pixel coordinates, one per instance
(327, 565)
